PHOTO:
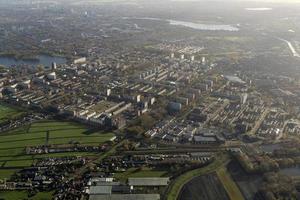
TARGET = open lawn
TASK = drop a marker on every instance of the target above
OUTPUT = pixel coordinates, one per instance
(13, 143)
(7, 112)
(13, 195)
(135, 172)
(6, 173)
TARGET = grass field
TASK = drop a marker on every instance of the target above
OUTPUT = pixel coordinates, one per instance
(135, 172)
(13, 143)
(229, 185)
(14, 195)
(6, 173)
(8, 112)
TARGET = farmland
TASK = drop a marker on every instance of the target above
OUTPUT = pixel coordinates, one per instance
(206, 187)
(13, 143)
(229, 185)
(210, 182)
(178, 183)
(248, 184)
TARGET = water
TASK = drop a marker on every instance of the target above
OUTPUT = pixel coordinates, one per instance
(292, 171)
(258, 9)
(45, 60)
(197, 26)
(269, 148)
(206, 27)
(292, 48)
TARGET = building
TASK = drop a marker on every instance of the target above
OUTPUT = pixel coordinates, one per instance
(174, 106)
(108, 92)
(100, 189)
(25, 84)
(54, 66)
(12, 88)
(80, 60)
(199, 139)
(51, 76)
(148, 181)
(192, 58)
(125, 197)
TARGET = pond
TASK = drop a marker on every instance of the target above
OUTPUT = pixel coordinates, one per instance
(45, 60)
(292, 171)
(269, 148)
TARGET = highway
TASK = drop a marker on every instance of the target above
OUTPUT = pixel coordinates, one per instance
(292, 48)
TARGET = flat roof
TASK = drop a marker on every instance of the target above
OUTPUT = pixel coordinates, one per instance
(155, 181)
(234, 79)
(126, 197)
(199, 138)
(103, 189)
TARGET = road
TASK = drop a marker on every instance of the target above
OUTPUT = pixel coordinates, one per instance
(293, 50)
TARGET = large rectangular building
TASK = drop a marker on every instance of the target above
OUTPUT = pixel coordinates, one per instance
(125, 197)
(148, 181)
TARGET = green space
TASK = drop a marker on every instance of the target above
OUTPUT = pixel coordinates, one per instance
(139, 172)
(13, 195)
(6, 173)
(8, 112)
(229, 185)
(43, 196)
(13, 143)
(176, 186)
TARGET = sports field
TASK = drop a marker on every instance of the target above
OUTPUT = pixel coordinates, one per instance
(13, 143)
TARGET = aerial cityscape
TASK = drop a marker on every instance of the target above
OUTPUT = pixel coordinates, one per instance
(149, 100)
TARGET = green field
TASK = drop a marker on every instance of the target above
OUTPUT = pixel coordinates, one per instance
(8, 112)
(13, 143)
(135, 172)
(14, 195)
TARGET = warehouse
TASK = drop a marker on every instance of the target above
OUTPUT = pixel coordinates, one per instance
(148, 181)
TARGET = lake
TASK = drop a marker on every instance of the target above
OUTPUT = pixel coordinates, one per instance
(258, 9)
(192, 25)
(292, 171)
(45, 60)
(269, 148)
(206, 27)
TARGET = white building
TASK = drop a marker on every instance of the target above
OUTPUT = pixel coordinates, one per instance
(51, 76)
(80, 60)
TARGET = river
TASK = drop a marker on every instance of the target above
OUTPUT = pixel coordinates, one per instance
(192, 25)
(45, 60)
(292, 171)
